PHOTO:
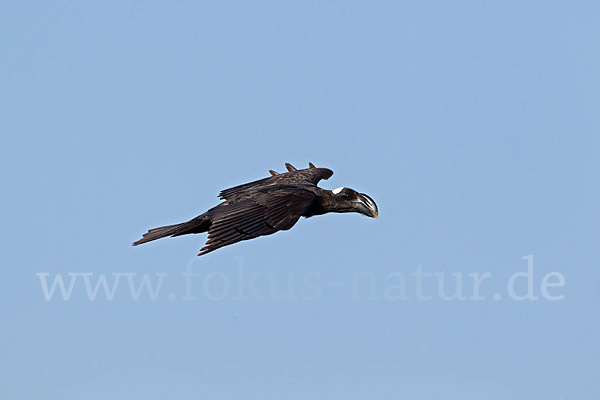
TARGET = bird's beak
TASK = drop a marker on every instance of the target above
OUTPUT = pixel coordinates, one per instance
(365, 205)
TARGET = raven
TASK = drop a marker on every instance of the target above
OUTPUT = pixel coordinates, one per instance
(266, 206)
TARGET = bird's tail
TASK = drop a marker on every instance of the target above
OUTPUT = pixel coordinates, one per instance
(196, 225)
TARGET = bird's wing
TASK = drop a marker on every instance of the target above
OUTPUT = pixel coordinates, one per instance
(267, 212)
(309, 177)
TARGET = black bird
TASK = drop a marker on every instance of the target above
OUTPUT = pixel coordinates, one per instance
(266, 206)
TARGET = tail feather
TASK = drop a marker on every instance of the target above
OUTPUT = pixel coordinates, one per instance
(196, 225)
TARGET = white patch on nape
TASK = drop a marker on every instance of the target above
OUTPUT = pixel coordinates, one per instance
(336, 191)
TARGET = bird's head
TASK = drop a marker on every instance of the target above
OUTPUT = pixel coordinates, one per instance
(349, 200)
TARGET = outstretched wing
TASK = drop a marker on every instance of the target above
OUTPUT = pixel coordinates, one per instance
(267, 212)
(308, 177)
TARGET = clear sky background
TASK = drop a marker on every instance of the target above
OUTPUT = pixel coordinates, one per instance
(473, 124)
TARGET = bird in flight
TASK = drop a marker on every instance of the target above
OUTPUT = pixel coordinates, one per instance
(266, 206)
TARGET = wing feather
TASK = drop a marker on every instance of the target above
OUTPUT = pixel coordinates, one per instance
(309, 177)
(267, 212)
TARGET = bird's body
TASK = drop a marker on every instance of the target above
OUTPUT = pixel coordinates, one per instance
(266, 206)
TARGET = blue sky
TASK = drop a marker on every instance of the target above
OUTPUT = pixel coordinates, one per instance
(474, 125)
